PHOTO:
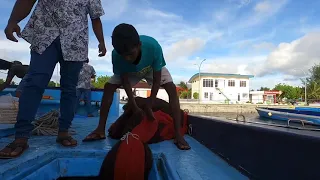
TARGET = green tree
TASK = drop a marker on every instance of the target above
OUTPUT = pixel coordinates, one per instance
(196, 95)
(314, 74)
(313, 90)
(101, 81)
(51, 84)
(264, 89)
(183, 85)
(1, 81)
(289, 92)
(313, 82)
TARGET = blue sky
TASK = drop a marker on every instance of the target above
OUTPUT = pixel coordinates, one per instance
(275, 40)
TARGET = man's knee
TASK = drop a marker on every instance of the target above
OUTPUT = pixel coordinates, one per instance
(38, 81)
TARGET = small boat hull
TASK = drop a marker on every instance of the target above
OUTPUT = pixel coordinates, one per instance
(312, 109)
(288, 114)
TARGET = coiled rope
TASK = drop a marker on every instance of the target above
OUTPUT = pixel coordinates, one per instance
(48, 124)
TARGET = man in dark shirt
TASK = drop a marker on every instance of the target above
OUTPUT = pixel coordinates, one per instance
(15, 68)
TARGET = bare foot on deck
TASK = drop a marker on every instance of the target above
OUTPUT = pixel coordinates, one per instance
(181, 143)
(14, 149)
(94, 136)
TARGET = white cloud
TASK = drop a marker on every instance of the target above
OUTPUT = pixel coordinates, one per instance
(261, 12)
(264, 46)
(114, 9)
(291, 58)
(154, 13)
(183, 48)
(263, 7)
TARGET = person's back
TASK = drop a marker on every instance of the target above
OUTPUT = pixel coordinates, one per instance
(87, 72)
(84, 86)
(15, 68)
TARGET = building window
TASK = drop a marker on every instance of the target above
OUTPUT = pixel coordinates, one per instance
(244, 95)
(243, 83)
(208, 83)
(206, 95)
(216, 83)
(231, 83)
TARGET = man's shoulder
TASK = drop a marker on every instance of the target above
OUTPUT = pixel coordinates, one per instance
(115, 55)
(148, 40)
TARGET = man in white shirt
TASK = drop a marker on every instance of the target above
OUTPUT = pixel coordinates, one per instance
(58, 32)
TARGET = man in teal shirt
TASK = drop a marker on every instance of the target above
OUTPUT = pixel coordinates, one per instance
(135, 58)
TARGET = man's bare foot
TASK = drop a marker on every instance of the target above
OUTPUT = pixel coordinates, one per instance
(14, 149)
(95, 135)
(181, 143)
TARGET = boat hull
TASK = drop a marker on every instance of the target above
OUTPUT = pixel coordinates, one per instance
(287, 114)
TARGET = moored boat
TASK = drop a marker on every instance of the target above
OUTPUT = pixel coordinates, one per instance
(303, 116)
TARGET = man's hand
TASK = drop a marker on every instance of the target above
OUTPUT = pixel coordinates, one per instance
(181, 143)
(102, 50)
(10, 29)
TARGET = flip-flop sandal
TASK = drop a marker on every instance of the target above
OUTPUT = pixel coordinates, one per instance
(61, 140)
(13, 146)
(95, 137)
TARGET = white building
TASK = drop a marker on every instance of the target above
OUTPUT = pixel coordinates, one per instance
(221, 88)
(144, 90)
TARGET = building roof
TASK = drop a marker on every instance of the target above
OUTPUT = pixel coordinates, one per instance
(142, 85)
(220, 75)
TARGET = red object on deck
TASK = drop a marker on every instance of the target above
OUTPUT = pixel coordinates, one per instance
(131, 158)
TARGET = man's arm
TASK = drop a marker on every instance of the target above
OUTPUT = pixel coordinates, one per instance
(20, 11)
(127, 87)
(98, 30)
(95, 12)
(155, 85)
(6, 83)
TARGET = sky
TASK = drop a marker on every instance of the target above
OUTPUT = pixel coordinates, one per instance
(274, 40)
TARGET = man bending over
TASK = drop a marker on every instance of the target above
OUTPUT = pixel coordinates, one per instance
(135, 58)
(15, 68)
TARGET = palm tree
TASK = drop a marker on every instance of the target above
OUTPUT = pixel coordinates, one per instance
(313, 90)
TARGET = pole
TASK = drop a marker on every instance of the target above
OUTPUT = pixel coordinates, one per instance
(305, 85)
(305, 92)
(200, 80)
(199, 87)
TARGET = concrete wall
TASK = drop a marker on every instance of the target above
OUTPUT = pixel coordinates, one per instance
(228, 108)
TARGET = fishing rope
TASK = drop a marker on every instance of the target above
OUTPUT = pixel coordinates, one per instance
(126, 137)
(48, 124)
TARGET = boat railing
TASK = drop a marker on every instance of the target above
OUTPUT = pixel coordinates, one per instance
(297, 120)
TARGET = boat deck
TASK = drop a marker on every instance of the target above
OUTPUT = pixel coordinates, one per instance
(85, 159)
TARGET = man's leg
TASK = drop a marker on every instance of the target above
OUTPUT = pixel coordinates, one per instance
(69, 79)
(21, 85)
(39, 75)
(170, 87)
(87, 100)
(78, 93)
